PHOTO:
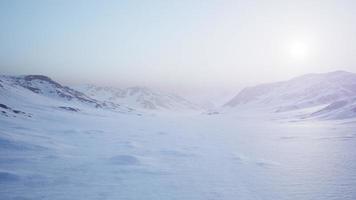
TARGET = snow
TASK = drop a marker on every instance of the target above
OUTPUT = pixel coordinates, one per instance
(140, 98)
(304, 92)
(106, 155)
(102, 153)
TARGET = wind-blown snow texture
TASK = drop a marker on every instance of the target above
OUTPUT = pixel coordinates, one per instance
(58, 147)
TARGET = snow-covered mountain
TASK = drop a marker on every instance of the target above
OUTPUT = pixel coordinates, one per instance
(19, 93)
(138, 97)
(334, 93)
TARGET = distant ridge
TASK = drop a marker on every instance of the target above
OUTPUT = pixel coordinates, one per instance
(138, 97)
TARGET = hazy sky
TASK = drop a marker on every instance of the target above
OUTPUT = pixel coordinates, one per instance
(179, 43)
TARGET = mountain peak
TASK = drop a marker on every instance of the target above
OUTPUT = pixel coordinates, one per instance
(37, 77)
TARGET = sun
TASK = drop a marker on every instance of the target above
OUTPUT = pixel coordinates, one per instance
(299, 50)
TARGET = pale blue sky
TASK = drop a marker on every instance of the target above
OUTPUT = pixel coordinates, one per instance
(176, 43)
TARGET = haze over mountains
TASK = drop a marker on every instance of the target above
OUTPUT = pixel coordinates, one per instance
(138, 97)
(328, 96)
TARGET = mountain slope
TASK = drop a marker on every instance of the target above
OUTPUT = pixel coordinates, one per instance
(335, 90)
(44, 85)
(138, 97)
(19, 93)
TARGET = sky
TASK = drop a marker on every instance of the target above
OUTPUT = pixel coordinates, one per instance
(186, 45)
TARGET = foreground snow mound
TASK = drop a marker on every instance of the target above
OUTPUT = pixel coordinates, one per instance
(336, 91)
(138, 97)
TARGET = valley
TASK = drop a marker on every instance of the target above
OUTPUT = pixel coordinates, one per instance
(59, 143)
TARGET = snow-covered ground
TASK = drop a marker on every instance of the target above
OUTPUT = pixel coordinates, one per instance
(58, 143)
(106, 155)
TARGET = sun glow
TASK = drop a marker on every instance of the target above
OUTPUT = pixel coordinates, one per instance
(299, 50)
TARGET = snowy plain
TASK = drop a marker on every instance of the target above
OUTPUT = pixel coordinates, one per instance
(108, 155)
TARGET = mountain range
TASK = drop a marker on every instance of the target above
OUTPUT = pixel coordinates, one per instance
(323, 96)
(138, 97)
(21, 96)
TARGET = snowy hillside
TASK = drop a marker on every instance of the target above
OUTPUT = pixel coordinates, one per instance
(20, 93)
(335, 92)
(138, 97)
(338, 110)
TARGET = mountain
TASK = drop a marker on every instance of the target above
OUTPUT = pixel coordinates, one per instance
(42, 92)
(138, 97)
(334, 92)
